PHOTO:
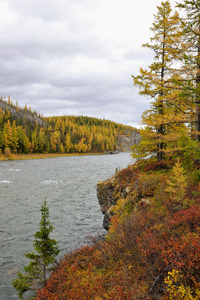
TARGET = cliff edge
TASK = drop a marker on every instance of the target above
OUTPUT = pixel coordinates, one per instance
(130, 189)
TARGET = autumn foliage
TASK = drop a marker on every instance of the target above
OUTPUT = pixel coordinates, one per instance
(67, 134)
(152, 249)
(171, 82)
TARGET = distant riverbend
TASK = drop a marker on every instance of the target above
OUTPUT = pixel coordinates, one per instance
(69, 185)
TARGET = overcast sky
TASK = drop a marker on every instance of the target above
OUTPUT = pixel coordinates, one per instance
(76, 57)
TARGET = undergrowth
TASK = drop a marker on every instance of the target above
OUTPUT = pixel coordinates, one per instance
(152, 249)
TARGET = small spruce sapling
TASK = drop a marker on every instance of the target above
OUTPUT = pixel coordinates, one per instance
(40, 262)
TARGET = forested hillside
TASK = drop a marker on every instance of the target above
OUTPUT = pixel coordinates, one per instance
(23, 131)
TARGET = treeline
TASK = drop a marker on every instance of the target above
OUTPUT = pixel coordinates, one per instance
(67, 134)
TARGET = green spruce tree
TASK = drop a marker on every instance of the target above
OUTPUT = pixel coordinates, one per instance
(41, 261)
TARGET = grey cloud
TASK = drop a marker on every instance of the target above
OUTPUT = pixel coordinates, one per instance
(52, 58)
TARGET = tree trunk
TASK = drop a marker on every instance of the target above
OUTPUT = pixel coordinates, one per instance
(44, 275)
(160, 111)
(198, 92)
(160, 153)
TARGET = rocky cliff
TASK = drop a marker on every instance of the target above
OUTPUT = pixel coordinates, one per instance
(106, 201)
(19, 114)
(110, 191)
(127, 140)
(129, 189)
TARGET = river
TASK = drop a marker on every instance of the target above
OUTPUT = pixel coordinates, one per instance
(69, 186)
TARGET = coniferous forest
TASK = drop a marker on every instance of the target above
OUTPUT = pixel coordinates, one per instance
(24, 131)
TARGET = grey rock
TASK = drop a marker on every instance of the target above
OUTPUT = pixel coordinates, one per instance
(127, 140)
(21, 114)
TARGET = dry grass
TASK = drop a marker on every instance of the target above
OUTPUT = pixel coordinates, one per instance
(40, 155)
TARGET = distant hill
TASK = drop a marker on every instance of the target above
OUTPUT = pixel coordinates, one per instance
(24, 131)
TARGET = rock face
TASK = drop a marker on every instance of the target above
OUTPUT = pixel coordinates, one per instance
(20, 114)
(129, 190)
(126, 141)
(106, 201)
(108, 193)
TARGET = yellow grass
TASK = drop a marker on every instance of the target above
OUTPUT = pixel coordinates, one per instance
(41, 155)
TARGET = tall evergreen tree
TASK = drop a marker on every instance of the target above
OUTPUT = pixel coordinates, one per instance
(158, 83)
(46, 252)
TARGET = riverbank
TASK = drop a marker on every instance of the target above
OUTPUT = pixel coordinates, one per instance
(41, 155)
(152, 248)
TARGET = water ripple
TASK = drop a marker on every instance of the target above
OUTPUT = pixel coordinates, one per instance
(69, 186)
(5, 181)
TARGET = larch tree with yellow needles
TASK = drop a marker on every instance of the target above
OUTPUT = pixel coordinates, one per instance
(166, 118)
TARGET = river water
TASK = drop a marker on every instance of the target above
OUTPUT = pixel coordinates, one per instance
(69, 186)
